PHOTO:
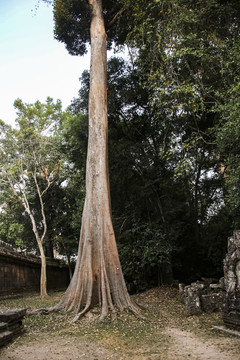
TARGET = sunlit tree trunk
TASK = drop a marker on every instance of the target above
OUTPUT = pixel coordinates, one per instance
(98, 275)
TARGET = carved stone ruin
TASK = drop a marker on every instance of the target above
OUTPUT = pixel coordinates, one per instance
(11, 324)
(201, 296)
(231, 283)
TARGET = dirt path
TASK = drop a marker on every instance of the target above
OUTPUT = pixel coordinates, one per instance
(186, 345)
(182, 345)
(56, 349)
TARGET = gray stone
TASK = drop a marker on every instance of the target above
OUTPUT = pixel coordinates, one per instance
(12, 315)
(11, 324)
(211, 302)
(231, 284)
(201, 296)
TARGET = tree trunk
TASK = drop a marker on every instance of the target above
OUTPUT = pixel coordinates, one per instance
(43, 279)
(69, 267)
(98, 277)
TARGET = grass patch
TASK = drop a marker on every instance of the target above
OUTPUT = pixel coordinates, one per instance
(127, 332)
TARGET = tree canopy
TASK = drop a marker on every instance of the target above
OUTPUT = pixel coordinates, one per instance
(72, 23)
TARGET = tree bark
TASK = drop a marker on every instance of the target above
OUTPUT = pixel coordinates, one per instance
(98, 277)
(43, 277)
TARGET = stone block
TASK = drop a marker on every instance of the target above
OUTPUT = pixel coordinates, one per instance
(11, 324)
(201, 296)
(211, 302)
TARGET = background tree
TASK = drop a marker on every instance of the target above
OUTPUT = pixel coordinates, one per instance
(228, 131)
(185, 52)
(11, 220)
(30, 165)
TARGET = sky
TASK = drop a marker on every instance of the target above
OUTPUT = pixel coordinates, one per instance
(33, 65)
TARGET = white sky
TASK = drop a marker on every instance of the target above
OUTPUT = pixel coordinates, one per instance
(33, 65)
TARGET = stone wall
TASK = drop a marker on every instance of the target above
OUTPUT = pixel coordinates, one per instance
(21, 272)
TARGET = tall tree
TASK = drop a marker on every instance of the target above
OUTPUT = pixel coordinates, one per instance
(140, 181)
(98, 276)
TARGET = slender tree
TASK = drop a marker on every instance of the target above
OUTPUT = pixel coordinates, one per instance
(29, 166)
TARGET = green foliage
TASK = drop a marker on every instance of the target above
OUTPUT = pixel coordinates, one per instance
(187, 54)
(72, 23)
(157, 188)
(30, 164)
(38, 117)
(143, 250)
(11, 230)
(228, 140)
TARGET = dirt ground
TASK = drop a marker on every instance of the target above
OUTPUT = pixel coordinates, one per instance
(183, 345)
(174, 337)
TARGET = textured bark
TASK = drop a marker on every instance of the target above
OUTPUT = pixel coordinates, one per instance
(98, 277)
(43, 279)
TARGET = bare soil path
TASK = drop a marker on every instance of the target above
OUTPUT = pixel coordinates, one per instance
(168, 336)
(186, 345)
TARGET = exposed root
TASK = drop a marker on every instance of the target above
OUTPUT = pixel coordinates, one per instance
(44, 311)
(38, 312)
(98, 278)
(81, 314)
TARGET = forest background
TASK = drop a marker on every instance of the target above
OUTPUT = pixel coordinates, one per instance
(174, 131)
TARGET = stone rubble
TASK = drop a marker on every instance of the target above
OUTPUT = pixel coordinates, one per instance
(201, 296)
(209, 295)
(11, 324)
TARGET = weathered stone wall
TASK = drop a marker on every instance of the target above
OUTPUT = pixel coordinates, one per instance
(21, 272)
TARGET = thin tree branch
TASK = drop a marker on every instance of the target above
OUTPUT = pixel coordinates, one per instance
(114, 19)
(42, 206)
